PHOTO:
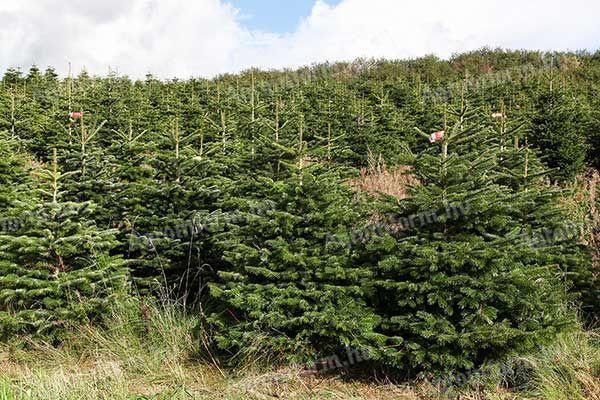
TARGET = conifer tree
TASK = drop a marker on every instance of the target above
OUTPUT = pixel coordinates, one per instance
(545, 224)
(559, 131)
(132, 202)
(83, 155)
(282, 286)
(12, 76)
(456, 282)
(186, 181)
(386, 127)
(20, 115)
(593, 131)
(55, 267)
(220, 123)
(13, 172)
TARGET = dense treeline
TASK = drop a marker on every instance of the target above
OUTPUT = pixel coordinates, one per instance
(231, 192)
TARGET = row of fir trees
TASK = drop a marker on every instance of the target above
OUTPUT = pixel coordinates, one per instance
(234, 194)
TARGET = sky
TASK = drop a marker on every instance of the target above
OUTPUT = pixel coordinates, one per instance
(203, 38)
(277, 16)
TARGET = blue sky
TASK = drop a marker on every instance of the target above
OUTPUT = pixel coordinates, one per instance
(277, 16)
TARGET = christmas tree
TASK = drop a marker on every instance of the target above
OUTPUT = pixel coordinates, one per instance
(559, 132)
(164, 212)
(284, 287)
(55, 267)
(457, 282)
(13, 171)
(546, 224)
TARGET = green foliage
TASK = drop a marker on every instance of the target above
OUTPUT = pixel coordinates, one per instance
(55, 263)
(568, 369)
(282, 280)
(559, 131)
(13, 172)
(462, 283)
(237, 183)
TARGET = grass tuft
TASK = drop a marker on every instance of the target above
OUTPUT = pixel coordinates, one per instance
(569, 369)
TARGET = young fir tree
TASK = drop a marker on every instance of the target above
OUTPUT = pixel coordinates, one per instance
(55, 267)
(21, 115)
(13, 172)
(545, 224)
(592, 109)
(559, 131)
(385, 133)
(456, 282)
(132, 202)
(83, 155)
(164, 212)
(283, 286)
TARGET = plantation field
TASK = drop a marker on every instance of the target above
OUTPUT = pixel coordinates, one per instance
(413, 229)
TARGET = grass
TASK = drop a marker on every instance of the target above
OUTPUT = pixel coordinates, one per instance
(151, 351)
(570, 369)
(377, 178)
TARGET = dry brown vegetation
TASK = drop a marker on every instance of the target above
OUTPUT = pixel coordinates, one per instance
(377, 178)
(59, 375)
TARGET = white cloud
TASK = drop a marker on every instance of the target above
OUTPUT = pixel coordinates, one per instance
(168, 38)
(204, 37)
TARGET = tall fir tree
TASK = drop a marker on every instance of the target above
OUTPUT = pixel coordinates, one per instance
(13, 172)
(545, 222)
(164, 212)
(559, 131)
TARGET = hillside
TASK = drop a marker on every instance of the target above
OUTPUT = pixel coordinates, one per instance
(431, 223)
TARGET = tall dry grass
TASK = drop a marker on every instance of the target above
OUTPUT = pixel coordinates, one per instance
(569, 369)
(153, 350)
(145, 349)
(377, 178)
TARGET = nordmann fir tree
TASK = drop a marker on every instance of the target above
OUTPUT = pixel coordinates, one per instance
(559, 124)
(188, 185)
(13, 174)
(133, 198)
(545, 223)
(284, 288)
(385, 125)
(55, 268)
(456, 283)
(85, 157)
